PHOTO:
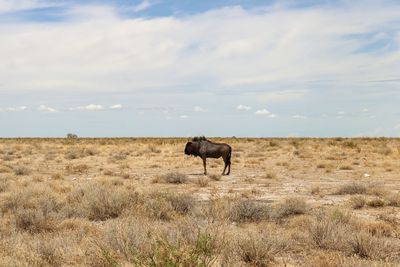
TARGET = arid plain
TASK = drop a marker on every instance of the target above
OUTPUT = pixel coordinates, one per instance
(142, 202)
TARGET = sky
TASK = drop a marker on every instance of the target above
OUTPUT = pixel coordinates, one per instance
(269, 68)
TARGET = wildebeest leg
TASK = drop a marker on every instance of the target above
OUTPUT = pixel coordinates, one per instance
(204, 164)
(228, 162)
(223, 173)
(229, 168)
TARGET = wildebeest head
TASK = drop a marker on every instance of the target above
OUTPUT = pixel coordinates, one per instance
(192, 148)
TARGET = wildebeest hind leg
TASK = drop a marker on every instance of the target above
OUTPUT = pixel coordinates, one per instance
(226, 165)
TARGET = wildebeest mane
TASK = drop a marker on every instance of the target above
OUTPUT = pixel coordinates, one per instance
(199, 138)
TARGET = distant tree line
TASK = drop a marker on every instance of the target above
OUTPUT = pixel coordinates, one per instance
(72, 136)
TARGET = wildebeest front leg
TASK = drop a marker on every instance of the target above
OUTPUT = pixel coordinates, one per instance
(204, 164)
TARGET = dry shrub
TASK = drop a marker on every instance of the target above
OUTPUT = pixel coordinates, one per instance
(57, 176)
(74, 154)
(80, 152)
(291, 206)
(98, 202)
(165, 206)
(181, 203)
(77, 169)
(351, 189)
(333, 259)
(377, 190)
(270, 175)
(273, 144)
(90, 151)
(51, 155)
(22, 170)
(35, 210)
(366, 246)
(350, 144)
(375, 228)
(315, 190)
(5, 169)
(321, 165)
(329, 234)
(153, 149)
(4, 184)
(174, 178)
(120, 155)
(202, 181)
(376, 202)
(158, 208)
(49, 251)
(8, 157)
(215, 177)
(125, 175)
(33, 221)
(246, 210)
(384, 150)
(393, 200)
(259, 248)
(346, 168)
(144, 243)
(358, 202)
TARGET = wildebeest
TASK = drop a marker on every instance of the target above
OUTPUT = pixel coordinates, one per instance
(200, 146)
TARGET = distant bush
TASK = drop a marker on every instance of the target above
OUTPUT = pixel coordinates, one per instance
(72, 136)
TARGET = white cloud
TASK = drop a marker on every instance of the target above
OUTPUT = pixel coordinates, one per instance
(340, 113)
(47, 109)
(145, 4)
(116, 106)
(265, 112)
(90, 107)
(183, 116)
(301, 117)
(14, 109)
(365, 110)
(243, 107)
(223, 47)
(262, 112)
(199, 109)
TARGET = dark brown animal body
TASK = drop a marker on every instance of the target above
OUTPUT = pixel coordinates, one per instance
(203, 148)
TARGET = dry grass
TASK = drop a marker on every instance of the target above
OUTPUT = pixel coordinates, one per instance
(141, 202)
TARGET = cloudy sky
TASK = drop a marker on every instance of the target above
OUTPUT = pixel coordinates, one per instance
(212, 67)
